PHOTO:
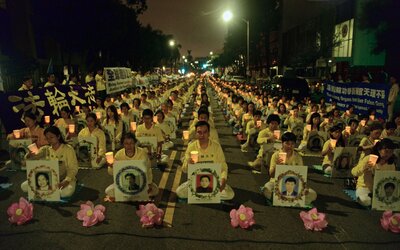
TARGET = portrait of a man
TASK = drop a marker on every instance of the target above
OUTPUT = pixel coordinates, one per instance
(389, 191)
(290, 187)
(131, 182)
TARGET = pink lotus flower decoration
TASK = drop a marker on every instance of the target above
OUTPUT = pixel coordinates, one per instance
(150, 215)
(90, 214)
(243, 217)
(20, 212)
(390, 221)
(313, 220)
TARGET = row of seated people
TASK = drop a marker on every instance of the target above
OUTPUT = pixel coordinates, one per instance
(371, 138)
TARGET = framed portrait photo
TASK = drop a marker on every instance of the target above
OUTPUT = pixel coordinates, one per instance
(290, 184)
(316, 141)
(386, 192)
(43, 179)
(86, 152)
(109, 132)
(204, 183)
(344, 159)
(148, 142)
(18, 150)
(130, 181)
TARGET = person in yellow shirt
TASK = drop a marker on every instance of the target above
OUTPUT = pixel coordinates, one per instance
(51, 78)
(93, 129)
(265, 136)
(367, 143)
(203, 115)
(100, 108)
(114, 120)
(293, 159)
(148, 129)
(131, 151)
(100, 83)
(293, 120)
(328, 150)
(252, 129)
(166, 129)
(64, 153)
(209, 151)
(32, 130)
(65, 120)
(365, 169)
(26, 84)
(136, 110)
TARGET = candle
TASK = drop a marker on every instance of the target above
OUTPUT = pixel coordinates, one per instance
(308, 127)
(155, 119)
(194, 155)
(71, 128)
(291, 112)
(347, 129)
(17, 133)
(333, 143)
(362, 122)
(373, 159)
(372, 117)
(259, 123)
(33, 148)
(133, 126)
(277, 134)
(186, 134)
(326, 120)
(112, 99)
(282, 157)
(47, 119)
(110, 157)
(78, 109)
(98, 115)
(119, 111)
(376, 141)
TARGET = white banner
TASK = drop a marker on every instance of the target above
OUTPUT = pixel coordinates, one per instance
(118, 79)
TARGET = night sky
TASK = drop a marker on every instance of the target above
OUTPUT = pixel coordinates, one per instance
(195, 24)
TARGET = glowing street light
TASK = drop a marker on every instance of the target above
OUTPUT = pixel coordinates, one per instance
(183, 57)
(211, 53)
(171, 43)
(227, 15)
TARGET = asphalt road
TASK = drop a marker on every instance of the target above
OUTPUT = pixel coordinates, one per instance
(196, 226)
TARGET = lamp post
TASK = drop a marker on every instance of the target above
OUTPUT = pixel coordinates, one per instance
(227, 16)
(172, 45)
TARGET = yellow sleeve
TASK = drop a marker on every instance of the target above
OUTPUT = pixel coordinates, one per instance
(71, 163)
(118, 135)
(220, 158)
(249, 126)
(286, 122)
(299, 160)
(272, 164)
(101, 142)
(263, 136)
(359, 169)
(192, 133)
(160, 137)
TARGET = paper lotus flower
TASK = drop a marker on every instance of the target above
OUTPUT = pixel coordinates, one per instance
(150, 215)
(390, 221)
(20, 212)
(242, 217)
(313, 220)
(90, 214)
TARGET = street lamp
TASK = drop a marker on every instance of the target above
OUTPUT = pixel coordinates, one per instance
(227, 16)
(171, 43)
(211, 53)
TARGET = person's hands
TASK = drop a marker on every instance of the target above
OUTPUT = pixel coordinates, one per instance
(63, 184)
(98, 160)
(223, 184)
(191, 161)
(369, 166)
(279, 161)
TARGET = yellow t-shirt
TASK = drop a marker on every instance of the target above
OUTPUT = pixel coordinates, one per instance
(294, 160)
(66, 154)
(292, 122)
(365, 142)
(100, 83)
(328, 158)
(140, 154)
(212, 154)
(154, 131)
(101, 138)
(264, 136)
(366, 179)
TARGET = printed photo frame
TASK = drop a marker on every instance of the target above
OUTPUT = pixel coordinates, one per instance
(148, 142)
(109, 132)
(386, 191)
(344, 160)
(130, 181)
(18, 150)
(204, 183)
(86, 151)
(290, 186)
(43, 179)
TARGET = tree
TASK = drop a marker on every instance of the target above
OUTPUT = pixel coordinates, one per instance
(381, 18)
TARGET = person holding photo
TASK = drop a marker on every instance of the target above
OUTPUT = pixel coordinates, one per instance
(292, 159)
(328, 149)
(62, 152)
(131, 151)
(210, 151)
(93, 129)
(365, 169)
(367, 143)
